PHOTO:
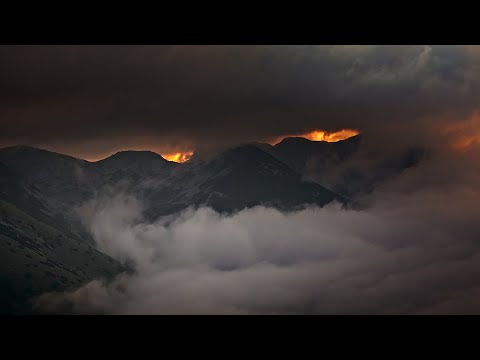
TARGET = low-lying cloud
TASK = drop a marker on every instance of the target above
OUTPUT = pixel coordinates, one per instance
(416, 249)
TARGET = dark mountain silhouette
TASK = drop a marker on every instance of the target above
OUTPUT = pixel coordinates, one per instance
(246, 176)
(44, 245)
(340, 165)
(40, 251)
(300, 153)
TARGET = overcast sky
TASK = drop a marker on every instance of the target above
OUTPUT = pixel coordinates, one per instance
(414, 249)
(89, 101)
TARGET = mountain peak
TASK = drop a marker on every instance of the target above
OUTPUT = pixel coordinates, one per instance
(28, 160)
(134, 155)
(26, 149)
(296, 141)
(19, 148)
(302, 140)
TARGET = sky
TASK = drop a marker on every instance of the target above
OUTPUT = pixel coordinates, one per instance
(91, 101)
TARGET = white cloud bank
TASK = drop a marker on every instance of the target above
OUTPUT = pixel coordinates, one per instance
(410, 252)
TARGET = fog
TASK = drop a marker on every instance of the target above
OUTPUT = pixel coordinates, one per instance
(414, 250)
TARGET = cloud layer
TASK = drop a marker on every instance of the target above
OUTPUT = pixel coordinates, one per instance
(416, 249)
(92, 100)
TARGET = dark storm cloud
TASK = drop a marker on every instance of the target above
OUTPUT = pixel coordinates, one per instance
(80, 98)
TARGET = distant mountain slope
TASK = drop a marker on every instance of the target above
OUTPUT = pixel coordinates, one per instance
(246, 176)
(44, 246)
(357, 179)
(36, 257)
(127, 163)
(16, 190)
(13, 190)
(341, 166)
(243, 176)
(61, 183)
(300, 153)
(39, 250)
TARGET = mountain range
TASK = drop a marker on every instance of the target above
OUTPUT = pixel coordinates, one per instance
(45, 247)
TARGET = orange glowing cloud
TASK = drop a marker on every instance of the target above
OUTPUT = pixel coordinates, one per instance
(319, 135)
(463, 134)
(330, 137)
(179, 157)
(462, 143)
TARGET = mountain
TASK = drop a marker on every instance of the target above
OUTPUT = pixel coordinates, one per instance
(246, 176)
(13, 190)
(341, 166)
(59, 182)
(359, 179)
(40, 252)
(44, 246)
(300, 153)
(239, 177)
(128, 163)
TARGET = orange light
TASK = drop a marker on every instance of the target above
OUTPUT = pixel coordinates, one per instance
(178, 157)
(319, 135)
(463, 135)
(330, 137)
(462, 143)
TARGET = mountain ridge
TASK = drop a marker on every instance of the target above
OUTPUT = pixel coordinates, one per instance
(40, 191)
